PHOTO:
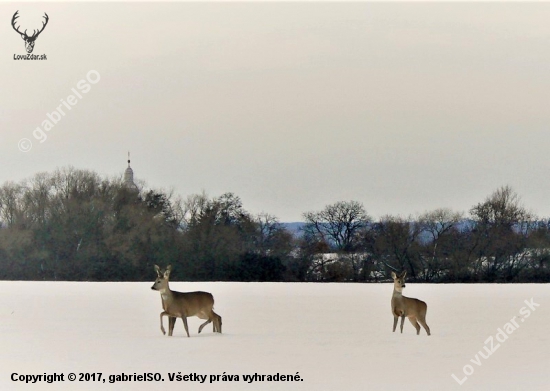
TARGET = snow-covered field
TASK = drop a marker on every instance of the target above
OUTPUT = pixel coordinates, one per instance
(335, 336)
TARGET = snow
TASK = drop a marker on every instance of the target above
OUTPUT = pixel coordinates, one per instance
(336, 336)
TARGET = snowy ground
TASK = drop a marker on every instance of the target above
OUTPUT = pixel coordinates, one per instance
(336, 336)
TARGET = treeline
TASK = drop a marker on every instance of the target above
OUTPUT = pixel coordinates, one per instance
(75, 225)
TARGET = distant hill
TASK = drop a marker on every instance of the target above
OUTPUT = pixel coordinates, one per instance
(294, 228)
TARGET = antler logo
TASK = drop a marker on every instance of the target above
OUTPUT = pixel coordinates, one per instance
(29, 41)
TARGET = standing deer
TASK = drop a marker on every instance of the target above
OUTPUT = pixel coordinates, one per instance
(402, 306)
(184, 304)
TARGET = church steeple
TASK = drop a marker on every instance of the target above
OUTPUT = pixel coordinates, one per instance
(129, 176)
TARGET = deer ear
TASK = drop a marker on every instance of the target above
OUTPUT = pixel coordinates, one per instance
(169, 268)
(393, 275)
(157, 269)
(403, 274)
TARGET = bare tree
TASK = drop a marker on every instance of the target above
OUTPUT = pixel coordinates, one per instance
(338, 224)
(436, 224)
(268, 227)
(502, 208)
(11, 208)
(396, 243)
(502, 225)
(193, 207)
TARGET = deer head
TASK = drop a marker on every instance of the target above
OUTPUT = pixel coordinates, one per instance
(29, 41)
(399, 281)
(161, 282)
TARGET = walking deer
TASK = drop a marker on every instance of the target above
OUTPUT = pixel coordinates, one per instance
(184, 304)
(402, 306)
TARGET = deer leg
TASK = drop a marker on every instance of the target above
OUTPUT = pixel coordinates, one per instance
(203, 315)
(415, 324)
(204, 324)
(161, 325)
(184, 318)
(217, 322)
(395, 318)
(402, 321)
(171, 323)
(425, 325)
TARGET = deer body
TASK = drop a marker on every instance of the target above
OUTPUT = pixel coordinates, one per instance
(184, 304)
(402, 306)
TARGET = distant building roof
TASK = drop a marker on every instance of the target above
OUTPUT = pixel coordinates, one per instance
(129, 176)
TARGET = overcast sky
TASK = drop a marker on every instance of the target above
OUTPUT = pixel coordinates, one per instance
(405, 107)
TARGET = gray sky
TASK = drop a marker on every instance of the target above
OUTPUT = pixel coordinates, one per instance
(405, 107)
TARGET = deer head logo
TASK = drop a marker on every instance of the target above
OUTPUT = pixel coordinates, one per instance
(29, 41)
